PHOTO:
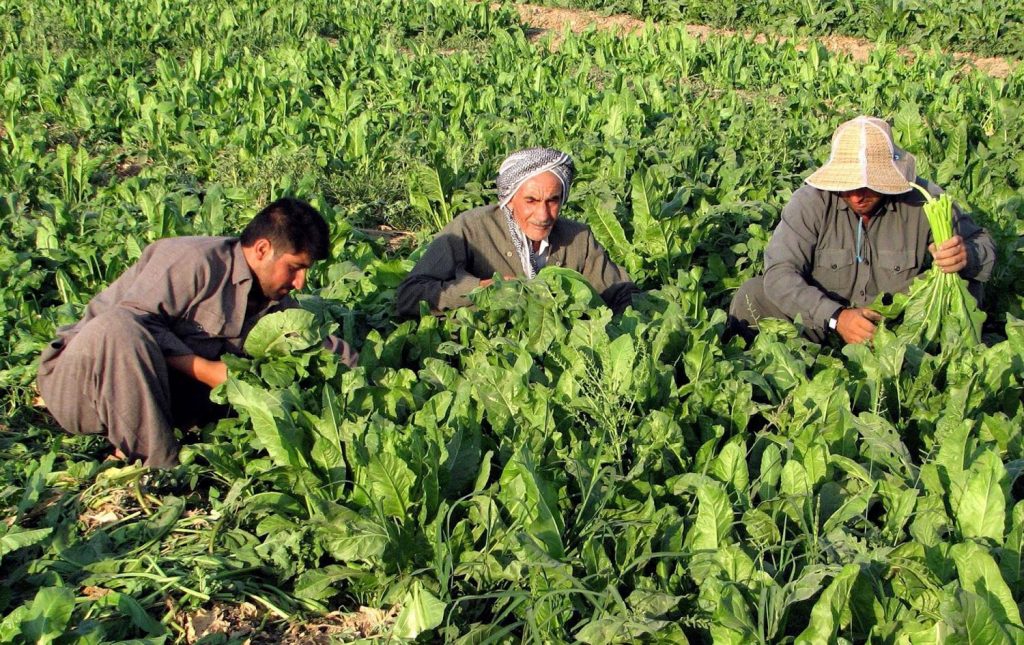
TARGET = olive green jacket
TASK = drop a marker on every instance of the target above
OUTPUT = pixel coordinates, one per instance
(477, 244)
(811, 263)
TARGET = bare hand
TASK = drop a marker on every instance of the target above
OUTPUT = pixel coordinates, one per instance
(211, 373)
(951, 255)
(216, 374)
(857, 325)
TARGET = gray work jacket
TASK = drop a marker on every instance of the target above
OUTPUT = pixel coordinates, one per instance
(812, 265)
(477, 244)
(191, 293)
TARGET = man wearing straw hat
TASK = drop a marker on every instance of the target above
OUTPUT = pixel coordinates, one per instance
(515, 238)
(855, 230)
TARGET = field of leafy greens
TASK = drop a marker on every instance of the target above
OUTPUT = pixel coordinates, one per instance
(531, 469)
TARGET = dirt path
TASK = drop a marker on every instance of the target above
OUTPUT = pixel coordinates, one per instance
(545, 19)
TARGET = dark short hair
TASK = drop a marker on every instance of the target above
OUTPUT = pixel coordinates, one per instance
(292, 226)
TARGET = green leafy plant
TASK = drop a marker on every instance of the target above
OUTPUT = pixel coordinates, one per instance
(938, 306)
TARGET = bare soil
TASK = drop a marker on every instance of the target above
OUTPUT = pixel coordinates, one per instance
(246, 623)
(542, 20)
(394, 238)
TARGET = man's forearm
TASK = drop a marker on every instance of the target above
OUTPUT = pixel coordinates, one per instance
(438, 293)
(788, 290)
(211, 373)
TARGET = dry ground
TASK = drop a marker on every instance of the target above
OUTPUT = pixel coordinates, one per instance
(550, 19)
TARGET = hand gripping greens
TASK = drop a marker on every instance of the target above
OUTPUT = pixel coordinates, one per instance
(938, 307)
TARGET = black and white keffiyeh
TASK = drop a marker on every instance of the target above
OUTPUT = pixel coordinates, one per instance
(519, 167)
(516, 170)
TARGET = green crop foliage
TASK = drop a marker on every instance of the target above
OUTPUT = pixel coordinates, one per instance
(532, 468)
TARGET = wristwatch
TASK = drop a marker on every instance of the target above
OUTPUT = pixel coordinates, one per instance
(834, 320)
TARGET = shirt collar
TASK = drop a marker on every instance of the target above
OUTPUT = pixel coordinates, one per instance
(240, 271)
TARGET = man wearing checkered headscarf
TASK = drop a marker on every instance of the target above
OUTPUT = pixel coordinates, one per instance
(524, 165)
(854, 231)
(516, 237)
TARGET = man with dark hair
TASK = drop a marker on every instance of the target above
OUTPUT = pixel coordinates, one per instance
(146, 353)
(292, 225)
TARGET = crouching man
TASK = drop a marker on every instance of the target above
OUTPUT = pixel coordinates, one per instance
(857, 229)
(144, 357)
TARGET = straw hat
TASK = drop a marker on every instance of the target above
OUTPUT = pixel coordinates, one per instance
(864, 156)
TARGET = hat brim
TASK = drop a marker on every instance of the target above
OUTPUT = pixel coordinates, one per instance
(888, 179)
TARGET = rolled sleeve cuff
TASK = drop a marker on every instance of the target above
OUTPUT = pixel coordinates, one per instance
(456, 293)
(979, 263)
(972, 267)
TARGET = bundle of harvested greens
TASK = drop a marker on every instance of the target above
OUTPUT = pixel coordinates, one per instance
(938, 308)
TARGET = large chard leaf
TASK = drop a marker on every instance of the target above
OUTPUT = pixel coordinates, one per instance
(1010, 563)
(502, 392)
(282, 333)
(16, 538)
(319, 584)
(41, 621)
(980, 575)
(327, 443)
(271, 421)
(349, 537)
(732, 622)
(978, 499)
(426, 190)
(421, 611)
(618, 364)
(713, 524)
(568, 288)
(607, 229)
(462, 460)
(390, 481)
(647, 228)
(832, 610)
(977, 621)
(545, 326)
(532, 501)
(618, 629)
(730, 467)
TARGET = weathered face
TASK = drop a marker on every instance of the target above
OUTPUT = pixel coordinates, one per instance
(278, 273)
(862, 201)
(536, 204)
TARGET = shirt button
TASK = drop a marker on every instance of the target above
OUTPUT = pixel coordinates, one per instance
(835, 266)
(896, 268)
(508, 254)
